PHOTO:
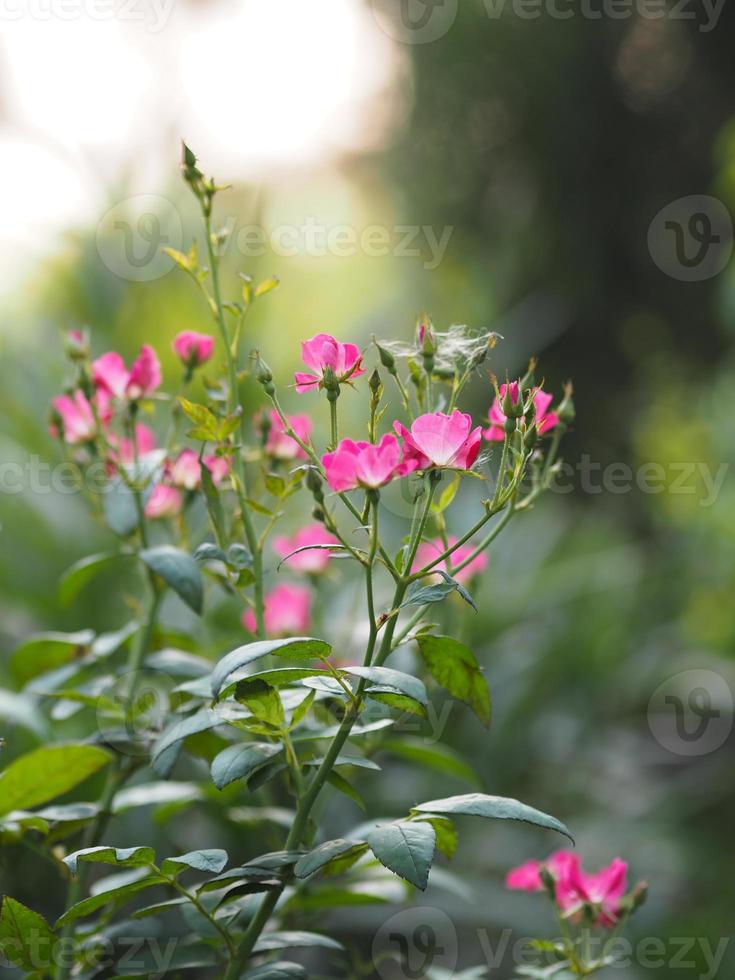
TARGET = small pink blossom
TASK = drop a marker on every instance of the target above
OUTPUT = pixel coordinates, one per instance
(444, 441)
(287, 611)
(77, 417)
(110, 374)
(545, 420)
(315, 559)
(323, 351)
(163, 501)
(573, 887)
(279, 445)
(430, 550)
(185, 472)
(193, 348)
(361, 464)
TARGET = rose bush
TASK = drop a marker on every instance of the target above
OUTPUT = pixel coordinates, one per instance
(195, 492)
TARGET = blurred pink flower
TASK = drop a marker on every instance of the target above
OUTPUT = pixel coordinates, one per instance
(287, 611)
(163, 502)
(323, 351)
(361, 464)
(313, 560)
(282, 446)
(193, 348)
(545, 420)
(77, 417)
(429, 550)
(145, 442)
(185, 472)
(110, 374)
(444, 441)
(573, 887)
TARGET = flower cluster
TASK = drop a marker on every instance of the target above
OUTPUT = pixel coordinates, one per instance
(597, 898)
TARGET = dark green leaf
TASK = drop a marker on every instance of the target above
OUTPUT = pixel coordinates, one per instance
(412, 687)
(322, 855)
(495, 808)
(123, 857)
(299, 646)
(178, 570)
(102, 898)
(405, 848)
(207, 551)
(211, 859)
(454, 666)
(280, 970)
(241, 761)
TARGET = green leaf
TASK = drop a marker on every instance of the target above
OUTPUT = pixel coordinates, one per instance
(279, 970)
(178, 570)
(447, 496)
(454, 666)
(213, 501)
(435, 756)
(123, 857)
(154, 794)
(494, 808)
(241, 761)
(26, 938)
(294, 940)
(447, 837)
(347, 789)
(400, 702)
(304, 647)
(120, 509)
(19, 709)
(81, 572)
(239, 557)
(201, 721)
(47, 651)
(412, 687)
(420, 595)
(118, 894)
(207, 551)
(207, 859)
(406, 849)
(262, 700)
(48, 772)
(315, 860)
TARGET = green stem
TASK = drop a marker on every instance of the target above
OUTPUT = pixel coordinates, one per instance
(234, 406)
(333, 419)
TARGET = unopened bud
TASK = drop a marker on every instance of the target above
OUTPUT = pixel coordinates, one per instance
(386, 358)
(314, 484)
(318, 514)
(512, 403)
(376, 385)
(530, 439)
(548, 880)
(76, 345)
(566, 410)
(425, 335)
(638, 896)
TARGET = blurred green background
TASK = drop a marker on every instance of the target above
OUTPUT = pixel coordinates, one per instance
(547, 147)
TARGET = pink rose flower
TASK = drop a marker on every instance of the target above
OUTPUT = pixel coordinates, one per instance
(315, 559)
(545, 420)
(145, 442)
(193, 348)
(444, 441)
(282, 446)
(110, 374)
(163, 502)
(287, 612)
(573, 887)
(323, 351)
(77, 417)
(184, 472)
(430, 550)
(361, 464)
